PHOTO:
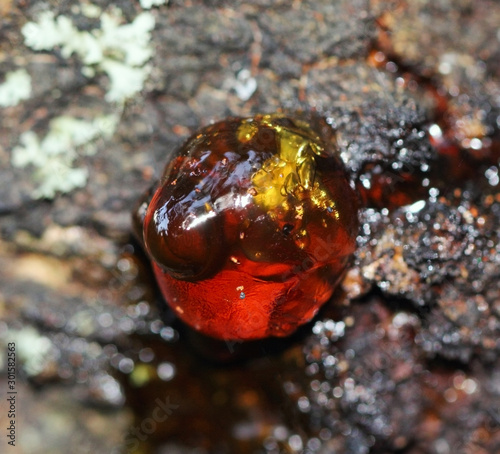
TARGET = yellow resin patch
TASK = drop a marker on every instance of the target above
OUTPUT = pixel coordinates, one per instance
(292, 170)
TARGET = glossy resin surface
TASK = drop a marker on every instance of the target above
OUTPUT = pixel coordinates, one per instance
(251, 227)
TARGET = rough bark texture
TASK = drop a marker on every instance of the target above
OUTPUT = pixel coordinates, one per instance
(403, 359)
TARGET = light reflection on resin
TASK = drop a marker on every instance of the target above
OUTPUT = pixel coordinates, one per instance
(251, 227)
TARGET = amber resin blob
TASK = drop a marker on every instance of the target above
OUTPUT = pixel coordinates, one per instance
(251, 227)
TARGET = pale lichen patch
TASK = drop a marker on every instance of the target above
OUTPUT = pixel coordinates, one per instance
(119, 50)
(53, 157)
(16, 88)
(148, 4)
(114, 48)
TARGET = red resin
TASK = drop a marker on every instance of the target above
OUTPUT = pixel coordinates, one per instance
(247, 242)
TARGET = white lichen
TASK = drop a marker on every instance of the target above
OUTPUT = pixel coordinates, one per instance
(125, 80)
(34, 350)
(54, 156)
(16, 88)
(113, 48)
(119, 50)
(148, 4)
(90, 10)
